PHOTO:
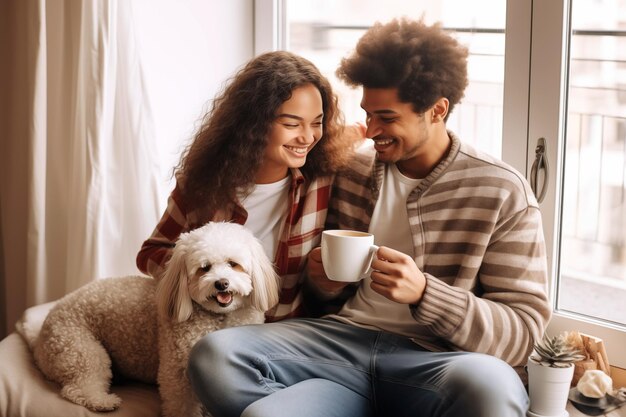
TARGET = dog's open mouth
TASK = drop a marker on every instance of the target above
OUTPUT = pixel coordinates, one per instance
(223, 298)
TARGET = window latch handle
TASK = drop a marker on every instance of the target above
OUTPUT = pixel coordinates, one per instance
(540, 166)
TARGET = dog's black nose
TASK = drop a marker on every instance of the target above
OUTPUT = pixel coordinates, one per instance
(221, 285)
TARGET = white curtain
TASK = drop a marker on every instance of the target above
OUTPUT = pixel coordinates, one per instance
(99, 99)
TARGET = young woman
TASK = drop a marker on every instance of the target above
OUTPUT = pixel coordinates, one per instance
(263, 157)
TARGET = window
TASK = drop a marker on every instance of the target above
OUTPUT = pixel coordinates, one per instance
(577, 103)
(593, 233)
(532, 75)
(324, 32)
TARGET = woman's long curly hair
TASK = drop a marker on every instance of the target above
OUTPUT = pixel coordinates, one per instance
(229, 147)
(423, 62)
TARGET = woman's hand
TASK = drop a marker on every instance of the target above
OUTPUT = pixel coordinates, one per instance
(317, 276)
(355, 133)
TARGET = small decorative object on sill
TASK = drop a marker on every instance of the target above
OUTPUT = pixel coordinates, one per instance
(594, 394)
(550, 370)
(595, 356)
(595, 384)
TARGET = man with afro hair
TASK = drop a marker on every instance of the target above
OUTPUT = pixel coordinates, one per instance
(458, 292)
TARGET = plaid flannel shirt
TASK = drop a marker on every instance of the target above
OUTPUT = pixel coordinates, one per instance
(304, 223)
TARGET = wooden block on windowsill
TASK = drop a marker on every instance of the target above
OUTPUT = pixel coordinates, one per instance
(619, 377)
(595, 357)
(594, 346)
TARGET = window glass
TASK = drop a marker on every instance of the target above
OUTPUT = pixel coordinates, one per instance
(327, 30)
(593, 234)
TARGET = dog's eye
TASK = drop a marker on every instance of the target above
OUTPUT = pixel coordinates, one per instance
(205, 268)
(233, 264)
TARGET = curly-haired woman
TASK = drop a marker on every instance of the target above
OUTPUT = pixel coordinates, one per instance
(263, 157)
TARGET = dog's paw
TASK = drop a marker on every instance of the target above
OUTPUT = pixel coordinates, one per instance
(93, 400)
(108, 402)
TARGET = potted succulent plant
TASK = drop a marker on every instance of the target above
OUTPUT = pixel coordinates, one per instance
(550, 371)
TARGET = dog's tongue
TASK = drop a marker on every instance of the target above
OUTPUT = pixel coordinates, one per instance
(224, 297)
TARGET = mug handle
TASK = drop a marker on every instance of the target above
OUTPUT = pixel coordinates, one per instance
(368, 270)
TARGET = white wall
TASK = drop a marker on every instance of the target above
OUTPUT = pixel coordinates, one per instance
(186, 68)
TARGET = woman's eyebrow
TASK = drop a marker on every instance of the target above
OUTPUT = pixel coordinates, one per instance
(293, 116)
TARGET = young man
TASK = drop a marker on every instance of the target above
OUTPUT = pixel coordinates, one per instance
(458, 293)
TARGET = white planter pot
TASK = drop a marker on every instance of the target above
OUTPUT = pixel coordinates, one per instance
(548, 389)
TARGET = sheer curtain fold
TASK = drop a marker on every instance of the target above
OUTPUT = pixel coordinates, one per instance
(90, 194)
(36, 254)
(101, 234)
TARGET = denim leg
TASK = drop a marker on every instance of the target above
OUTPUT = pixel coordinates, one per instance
(233, 368)
(412, 382)
(311, 398)
(307, 365)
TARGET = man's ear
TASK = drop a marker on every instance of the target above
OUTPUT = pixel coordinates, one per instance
(440, 110)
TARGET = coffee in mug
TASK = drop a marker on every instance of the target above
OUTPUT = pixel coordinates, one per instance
(347, 255)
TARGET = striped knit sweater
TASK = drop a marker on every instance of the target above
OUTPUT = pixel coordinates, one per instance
(478, 239)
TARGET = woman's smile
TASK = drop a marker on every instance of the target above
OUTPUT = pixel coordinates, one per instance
(298, 150)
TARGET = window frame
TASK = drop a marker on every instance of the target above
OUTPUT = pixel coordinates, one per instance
(270, 29)
(534, 106)
(547, 118)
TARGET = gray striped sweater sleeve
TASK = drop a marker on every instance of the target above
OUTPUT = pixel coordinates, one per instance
(478, 239)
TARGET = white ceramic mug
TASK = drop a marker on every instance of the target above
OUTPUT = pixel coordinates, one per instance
(347, 255)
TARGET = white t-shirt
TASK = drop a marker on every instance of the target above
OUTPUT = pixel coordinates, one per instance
(390, 227)
(267, 206)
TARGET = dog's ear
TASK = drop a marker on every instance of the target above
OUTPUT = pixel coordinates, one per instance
(265, 281)
(172, 295)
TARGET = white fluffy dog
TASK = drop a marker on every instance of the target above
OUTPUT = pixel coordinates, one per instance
(218, 276)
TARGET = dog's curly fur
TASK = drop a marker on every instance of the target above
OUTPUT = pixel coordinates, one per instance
(218, 277)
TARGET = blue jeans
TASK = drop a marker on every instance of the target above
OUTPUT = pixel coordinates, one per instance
(321, 367)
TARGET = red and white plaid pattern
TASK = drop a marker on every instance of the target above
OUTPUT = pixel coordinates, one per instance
(302, 232)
